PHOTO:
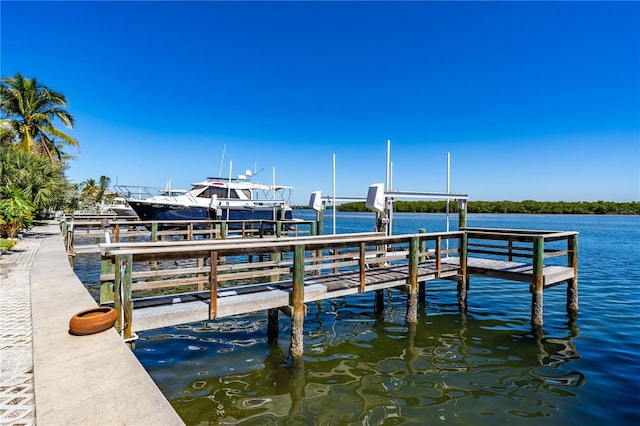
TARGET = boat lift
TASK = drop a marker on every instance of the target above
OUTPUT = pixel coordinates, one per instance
(380, 201)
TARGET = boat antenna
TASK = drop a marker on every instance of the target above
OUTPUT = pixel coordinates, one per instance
(224, 148)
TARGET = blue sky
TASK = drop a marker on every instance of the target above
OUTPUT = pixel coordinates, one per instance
(533, 100)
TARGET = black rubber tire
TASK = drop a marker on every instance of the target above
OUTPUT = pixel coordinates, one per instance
(92, 321)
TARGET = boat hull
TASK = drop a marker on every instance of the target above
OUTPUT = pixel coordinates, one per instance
(154, 211)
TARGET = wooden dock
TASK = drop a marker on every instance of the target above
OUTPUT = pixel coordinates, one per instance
(109, 229)
(231, 277)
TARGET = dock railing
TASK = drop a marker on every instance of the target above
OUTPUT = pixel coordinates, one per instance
(553, 256)
(150, 269)
(344, 263)
(129, 230)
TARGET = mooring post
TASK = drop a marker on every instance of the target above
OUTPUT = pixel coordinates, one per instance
(463, 278)
(572, 285)
(412, 280)
(122, 300)
(537, 284)
(278, 229)
(297, 302)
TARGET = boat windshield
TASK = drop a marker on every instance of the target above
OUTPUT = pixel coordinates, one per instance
(219, 192)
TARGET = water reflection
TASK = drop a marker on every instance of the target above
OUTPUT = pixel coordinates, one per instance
(360, 367)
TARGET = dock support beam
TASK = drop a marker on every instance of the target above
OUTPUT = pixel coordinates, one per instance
(296, 347)
(537, 284)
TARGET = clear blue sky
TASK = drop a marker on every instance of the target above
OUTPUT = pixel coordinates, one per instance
(534, 100)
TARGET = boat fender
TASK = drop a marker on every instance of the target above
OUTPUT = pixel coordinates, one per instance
(93, 320)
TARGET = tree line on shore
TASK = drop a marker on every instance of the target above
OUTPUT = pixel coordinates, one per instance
(522, 207)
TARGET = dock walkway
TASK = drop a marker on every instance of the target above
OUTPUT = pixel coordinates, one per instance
(50, 377)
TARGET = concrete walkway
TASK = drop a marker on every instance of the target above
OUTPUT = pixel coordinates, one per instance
(49, 377)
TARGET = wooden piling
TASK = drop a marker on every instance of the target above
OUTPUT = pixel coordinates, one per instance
(378, 303)
(412, 281)
(463, 278)
(572, 285)
(422, 292)
(272, 325)
(123, 302)
(537, 283)
(462, 214)
(213, 286)
(297, 302)
(106, 287)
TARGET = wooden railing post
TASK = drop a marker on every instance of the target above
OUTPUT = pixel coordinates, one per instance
(572, 285)
(154, 232)
(223, 230)
(297, 302)
(275, 257)
(412, 280)
(537, 284)
(362, 267)
(116, 233)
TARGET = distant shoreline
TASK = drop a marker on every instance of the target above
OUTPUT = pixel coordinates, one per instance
(522, 207)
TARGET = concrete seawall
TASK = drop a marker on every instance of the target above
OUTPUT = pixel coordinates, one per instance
(80, 380)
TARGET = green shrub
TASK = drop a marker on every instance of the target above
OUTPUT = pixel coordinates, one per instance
(6, 244)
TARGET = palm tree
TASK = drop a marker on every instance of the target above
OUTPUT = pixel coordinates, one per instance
(42, 184)
(28, 111)
(103, 184)
(89, 190)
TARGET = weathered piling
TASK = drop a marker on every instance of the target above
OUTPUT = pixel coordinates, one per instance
(572, 284)
(296, 348)
(537, 283)
(412, 281)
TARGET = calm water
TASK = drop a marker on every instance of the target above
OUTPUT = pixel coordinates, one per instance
(484, 367)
